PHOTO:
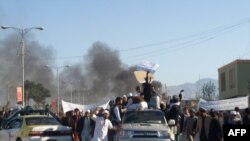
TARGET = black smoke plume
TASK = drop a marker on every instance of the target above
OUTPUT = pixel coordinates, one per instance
(108, 76)
(101, 76)
(36, 57)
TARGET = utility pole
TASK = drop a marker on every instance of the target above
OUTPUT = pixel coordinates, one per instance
(22, 32)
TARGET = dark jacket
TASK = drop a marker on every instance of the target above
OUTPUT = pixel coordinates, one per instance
(246, 119)
(67, 121)
(80, 126)
(215, 130)
(182, 121)
(114, 120)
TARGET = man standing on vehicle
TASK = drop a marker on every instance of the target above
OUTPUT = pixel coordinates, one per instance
(147, 88)
(155, 101)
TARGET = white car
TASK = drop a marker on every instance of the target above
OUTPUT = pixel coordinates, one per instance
(145, 125)
(35, 128)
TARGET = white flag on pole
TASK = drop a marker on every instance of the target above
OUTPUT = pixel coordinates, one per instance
(147, 66)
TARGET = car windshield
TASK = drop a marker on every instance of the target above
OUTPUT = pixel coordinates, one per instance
(154, 117)
(41, 121)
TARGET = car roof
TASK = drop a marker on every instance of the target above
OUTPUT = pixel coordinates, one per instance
(29, 116)
(150, 110)
(28, 111)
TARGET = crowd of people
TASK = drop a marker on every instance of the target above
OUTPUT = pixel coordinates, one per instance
(103, 124)
(207, 125)
(190, 124)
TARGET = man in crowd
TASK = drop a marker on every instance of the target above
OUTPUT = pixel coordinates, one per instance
(86, 127)
(67, 119)
(154, 99)
(116, 115)
(173, 112)
(116, 111)
(246, 117)
(215, 131)
(184, 116)
(139, 91)
(181, 95)
(237, 109)
(1, 118)
(189, 126)
(102, 124)
(147, 88)
(76, 118)
(234, 119)
(124, 101)
(203, 125)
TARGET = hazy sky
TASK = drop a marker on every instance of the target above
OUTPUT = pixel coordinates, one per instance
(187, 38)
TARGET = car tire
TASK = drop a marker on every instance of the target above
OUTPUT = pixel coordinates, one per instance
(18, 139)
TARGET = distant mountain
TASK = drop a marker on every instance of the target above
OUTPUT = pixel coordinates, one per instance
(191, 89)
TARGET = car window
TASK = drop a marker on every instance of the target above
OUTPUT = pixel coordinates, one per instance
(16, 123)
(41, 121)
(154, 117)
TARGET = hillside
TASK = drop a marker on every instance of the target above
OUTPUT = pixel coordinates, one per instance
(191, 89)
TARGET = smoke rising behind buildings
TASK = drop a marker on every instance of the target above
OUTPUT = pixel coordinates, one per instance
(11, 66)
(101, 75)
(107, 73)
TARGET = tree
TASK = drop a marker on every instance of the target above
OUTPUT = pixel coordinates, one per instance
(37, 92)
(208, 91)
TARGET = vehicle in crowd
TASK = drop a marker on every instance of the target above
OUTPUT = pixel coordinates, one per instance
(28, 111)
(145, 125)
(34, 125)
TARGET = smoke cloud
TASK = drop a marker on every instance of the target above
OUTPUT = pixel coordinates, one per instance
(109, 77)
(11, 66)
(100, 77)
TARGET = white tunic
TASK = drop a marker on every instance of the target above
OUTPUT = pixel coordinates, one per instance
(101, 128)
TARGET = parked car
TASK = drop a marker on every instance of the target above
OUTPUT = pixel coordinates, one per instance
(145, 125)
(35, 128)
(34, 125)
(27, 111)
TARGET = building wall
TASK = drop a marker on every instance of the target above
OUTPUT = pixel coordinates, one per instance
(227, 90)
(236, 77)
(244, 78)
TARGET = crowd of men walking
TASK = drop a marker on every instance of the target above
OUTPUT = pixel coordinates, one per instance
(190, 124)
(103, 124)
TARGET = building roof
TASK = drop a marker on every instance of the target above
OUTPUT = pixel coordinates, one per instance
(238, 61)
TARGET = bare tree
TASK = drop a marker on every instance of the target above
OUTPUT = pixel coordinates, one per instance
(208, 91)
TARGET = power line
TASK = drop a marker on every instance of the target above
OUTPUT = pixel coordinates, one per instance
(183, 42)
(186, 44)
(204, 33)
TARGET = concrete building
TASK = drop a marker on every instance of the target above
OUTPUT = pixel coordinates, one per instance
(234, 79)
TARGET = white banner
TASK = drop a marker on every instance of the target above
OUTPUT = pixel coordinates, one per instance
(67, 106)
(147, 66)
(227, 104)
